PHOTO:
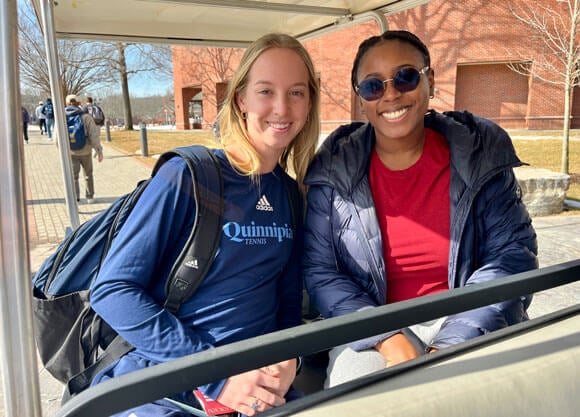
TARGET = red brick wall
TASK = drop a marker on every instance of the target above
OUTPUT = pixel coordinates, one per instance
(333, 55)
(190, 76)
(484, 32)
(509, 102)
(470, 43)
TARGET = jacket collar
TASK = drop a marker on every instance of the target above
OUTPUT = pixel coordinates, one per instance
(343, 158)
(478, 148)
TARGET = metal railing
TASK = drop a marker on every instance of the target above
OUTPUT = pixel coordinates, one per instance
(201, 368)
(17, 347)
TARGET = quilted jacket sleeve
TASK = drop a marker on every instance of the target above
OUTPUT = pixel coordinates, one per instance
(507, 245)
(333, 292)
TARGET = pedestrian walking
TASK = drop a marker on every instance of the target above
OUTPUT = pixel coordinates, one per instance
(83, 138)
(40, 117)
(25, 121)
(96, 111)
(48, 111)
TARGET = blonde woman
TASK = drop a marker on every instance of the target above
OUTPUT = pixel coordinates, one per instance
(269, 124)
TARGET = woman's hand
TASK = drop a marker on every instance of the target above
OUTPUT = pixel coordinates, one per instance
(285, 371)
(259, 390)
(396, 349)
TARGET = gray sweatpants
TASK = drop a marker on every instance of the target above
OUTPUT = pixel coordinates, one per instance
(346, 364)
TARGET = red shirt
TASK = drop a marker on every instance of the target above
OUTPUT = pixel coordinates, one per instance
(412, 206)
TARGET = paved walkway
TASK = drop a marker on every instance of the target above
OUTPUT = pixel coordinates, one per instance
(48, 217)
(559, 236)
(115, 176)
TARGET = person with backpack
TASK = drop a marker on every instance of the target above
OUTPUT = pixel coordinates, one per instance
(269, 125)
(83, 140)
(95, 111)
(48, 111)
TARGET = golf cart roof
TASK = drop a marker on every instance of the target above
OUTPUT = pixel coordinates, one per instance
(212, 23)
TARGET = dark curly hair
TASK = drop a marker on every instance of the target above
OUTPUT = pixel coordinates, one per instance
(399, 35)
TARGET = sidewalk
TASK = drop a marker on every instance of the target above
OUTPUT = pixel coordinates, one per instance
(558, 236)
(48, 214)
(48, 217)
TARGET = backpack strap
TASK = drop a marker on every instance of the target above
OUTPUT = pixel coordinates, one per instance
(81, 381)
(194, 260)
(197, 255)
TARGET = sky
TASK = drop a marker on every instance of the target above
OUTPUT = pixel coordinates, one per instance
(142, 85)
(147, 83)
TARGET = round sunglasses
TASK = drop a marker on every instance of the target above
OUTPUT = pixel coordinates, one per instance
(405, 80)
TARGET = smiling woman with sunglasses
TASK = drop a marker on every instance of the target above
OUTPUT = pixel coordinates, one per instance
(412, 203)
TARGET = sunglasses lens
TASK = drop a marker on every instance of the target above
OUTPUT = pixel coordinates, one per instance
(406, 79)
(371, 89)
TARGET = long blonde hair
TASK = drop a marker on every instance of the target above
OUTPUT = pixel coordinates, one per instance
(297, 156)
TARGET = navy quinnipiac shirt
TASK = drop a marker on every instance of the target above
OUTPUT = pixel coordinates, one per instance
(248, 291)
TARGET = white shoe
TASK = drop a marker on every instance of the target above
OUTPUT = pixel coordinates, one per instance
(90, 200)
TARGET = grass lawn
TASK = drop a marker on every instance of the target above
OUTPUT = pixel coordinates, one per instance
(158, 141)
(543, 149)
(540, 149)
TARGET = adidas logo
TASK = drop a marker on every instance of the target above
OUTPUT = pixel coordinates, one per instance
(192, 263)
(264, 204)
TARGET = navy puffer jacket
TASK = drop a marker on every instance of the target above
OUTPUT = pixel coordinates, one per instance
(491, 233)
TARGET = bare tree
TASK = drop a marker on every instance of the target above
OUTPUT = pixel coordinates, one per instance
(154, 59)
(81, 62)
(150, 109)
(121, 67)
(555, 27)
(86, 65)
(221, 60)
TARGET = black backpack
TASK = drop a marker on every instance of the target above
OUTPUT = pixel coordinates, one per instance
(74, 343)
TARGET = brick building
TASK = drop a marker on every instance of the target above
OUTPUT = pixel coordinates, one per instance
(474, 45)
